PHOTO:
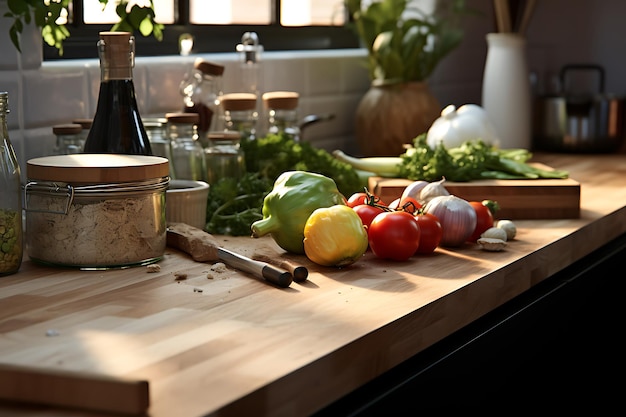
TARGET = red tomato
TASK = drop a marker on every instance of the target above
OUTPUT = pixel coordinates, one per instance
(484, 220)
(367, 213)
(356, 199)
(430, 232)
(409, 204)
(394, 235)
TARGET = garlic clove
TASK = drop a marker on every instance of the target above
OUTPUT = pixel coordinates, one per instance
(495, 233)
(509, 227)
(491, 244)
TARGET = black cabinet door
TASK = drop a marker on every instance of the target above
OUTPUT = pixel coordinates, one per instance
(556, 348)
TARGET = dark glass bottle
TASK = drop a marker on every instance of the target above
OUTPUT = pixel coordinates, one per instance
(11, 248)
(117, 126)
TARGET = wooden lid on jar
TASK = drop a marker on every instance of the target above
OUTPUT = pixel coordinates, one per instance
(283, 100)
(183, 118)
(209, 68)
(226, 135)
(96, 168)
(85, 123)
(238, 101)
(67, 129)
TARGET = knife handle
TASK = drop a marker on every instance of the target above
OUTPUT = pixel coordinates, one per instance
(277, 276)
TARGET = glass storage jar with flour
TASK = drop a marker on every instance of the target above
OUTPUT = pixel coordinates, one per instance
(96, 211)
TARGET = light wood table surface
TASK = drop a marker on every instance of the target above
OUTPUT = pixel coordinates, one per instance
(225, 343)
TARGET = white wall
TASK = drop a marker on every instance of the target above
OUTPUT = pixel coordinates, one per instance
(561, 32)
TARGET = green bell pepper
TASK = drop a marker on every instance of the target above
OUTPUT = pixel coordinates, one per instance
(286, 209)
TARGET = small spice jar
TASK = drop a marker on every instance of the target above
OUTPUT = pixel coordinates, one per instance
(96, 211)
(240, 114)
(86, 125)
(156, 129)
(224, 156)
(282, 113)
(186, 152)
(68, 138)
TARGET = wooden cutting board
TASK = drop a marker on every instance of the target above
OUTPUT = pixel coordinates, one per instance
(518, 199)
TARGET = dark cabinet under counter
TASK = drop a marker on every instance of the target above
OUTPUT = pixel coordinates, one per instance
(558, 347)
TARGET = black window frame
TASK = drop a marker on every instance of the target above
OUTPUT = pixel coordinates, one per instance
(207, 38)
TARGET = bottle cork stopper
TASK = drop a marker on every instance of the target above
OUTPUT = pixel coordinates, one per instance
(117, 51)
(283, 100)
(238, 101)
(181, 118)
(209, 68)
(67, 129)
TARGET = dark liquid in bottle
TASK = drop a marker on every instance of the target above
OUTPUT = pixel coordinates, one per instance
(205, 115)
(117, 125)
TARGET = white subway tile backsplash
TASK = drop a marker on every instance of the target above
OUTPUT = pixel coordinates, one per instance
(52, 97)
(10, 82)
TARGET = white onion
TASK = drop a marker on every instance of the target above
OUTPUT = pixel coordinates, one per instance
(457, 218)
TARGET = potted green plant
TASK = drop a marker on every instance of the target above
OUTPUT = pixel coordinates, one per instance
(404, 46)
(47, 15)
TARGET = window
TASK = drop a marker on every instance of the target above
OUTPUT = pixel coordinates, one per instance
(216, 26)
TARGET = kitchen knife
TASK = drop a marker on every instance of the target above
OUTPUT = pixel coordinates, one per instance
(203, 247)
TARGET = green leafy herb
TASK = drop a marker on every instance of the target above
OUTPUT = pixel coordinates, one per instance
(472, 160)
(234, 205)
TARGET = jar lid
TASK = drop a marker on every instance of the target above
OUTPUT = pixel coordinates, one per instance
(238, 101)
(96, 168)
(209, 68)
(85, 123)
(284, 100)
(67, 129)
(225, 135)
(193, 118)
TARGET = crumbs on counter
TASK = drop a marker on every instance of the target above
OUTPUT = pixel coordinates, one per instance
(180, 276)
(153, 268)
(218, 267)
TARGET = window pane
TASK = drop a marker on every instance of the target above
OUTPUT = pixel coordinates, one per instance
(224, 12)
(93, 13)
(312, 13)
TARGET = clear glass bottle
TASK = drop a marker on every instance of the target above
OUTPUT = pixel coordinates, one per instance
(68, 137)
(201, 90)
(117, 125)
(240, 114)
(282, 113)
(11, 232)
(187, 154)
(224, 156)
(250, 76)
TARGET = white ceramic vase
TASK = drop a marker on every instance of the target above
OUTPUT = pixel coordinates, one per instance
(506, 95)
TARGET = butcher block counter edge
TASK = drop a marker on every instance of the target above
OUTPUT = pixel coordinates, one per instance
(554, 244)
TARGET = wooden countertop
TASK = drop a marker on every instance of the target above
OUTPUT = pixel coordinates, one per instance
(233, 345)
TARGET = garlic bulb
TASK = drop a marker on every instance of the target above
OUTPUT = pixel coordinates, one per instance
(454, 127)
(432, 190)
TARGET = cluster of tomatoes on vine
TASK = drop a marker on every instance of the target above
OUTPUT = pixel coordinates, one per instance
(402, 229)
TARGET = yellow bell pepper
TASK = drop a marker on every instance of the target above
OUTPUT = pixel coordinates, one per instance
(335, 236)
